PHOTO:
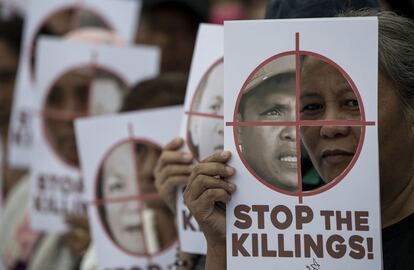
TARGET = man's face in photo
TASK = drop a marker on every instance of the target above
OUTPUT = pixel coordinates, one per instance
(78, 93)
(67, 100)
(270, 151)
(207, 132)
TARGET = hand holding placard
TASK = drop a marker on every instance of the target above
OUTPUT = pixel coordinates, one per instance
(207, 193)
(173, 169)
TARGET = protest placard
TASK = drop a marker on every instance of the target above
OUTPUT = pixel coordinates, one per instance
(127, 217)
(202, 124)
(75, 80)
(301, 121)
(58, 18)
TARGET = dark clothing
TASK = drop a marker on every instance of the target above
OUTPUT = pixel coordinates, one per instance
(402, 7)
(398, 245)
(284, 9)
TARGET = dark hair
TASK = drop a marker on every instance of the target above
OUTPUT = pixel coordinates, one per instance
(165, 90)
(402, 7)
(283, 9)
(11, 32)
(195, 10)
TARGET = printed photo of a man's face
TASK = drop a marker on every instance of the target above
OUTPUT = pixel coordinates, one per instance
(205, 134)
(80, 92)
(270, 150)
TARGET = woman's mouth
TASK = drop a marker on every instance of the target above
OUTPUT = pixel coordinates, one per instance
(337, 156)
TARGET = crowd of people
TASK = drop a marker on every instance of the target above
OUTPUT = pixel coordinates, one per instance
(172, 26)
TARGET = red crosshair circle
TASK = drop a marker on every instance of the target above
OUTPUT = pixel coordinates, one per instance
(73, 24)
(298, 123)
(145, 194)
(196, 112)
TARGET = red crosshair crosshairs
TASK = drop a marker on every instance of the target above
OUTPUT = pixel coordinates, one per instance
(301, 123)
(141, 196)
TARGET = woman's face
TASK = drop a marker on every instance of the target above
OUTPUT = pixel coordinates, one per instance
(120, 182)
(208, 131)
(326, 95)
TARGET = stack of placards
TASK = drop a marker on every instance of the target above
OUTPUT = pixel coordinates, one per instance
(58, 18)
(74, 80)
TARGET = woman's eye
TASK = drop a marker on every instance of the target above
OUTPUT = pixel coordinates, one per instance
(311, 108)
(351, 103)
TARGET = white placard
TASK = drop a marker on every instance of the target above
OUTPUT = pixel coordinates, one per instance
(75, 79)
(309, 83)
(202, 124)
(58, 18)
(125, 212)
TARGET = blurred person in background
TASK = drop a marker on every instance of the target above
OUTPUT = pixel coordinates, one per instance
(172, 25)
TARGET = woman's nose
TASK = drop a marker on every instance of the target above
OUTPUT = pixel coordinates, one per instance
(332, 132)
